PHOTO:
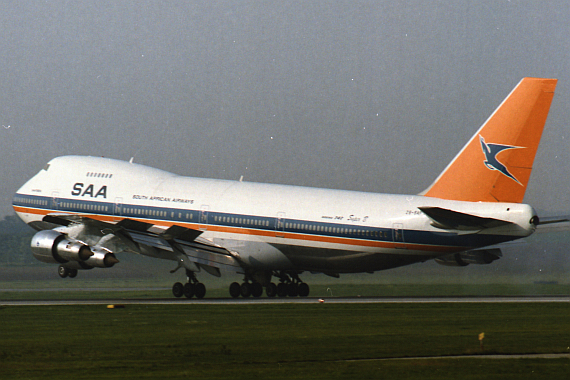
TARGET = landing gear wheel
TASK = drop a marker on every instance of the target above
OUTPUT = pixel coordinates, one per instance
(72, 273)
(188, 290)
(199, 290)
(256, 289)
(292, 290)
(62, 271)
(303, 289)
(282, 289)
(245, 290)
(235, 290)
(178, 290)
(271, 290)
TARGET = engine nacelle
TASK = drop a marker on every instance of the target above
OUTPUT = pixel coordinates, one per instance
(72, 250)
(53, 247)
(102, 259)
(462, 259)
(453, 260)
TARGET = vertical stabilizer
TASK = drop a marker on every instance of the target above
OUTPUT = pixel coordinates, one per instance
(495, 165)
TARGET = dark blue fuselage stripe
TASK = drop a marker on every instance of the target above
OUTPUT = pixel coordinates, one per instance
(255, 222)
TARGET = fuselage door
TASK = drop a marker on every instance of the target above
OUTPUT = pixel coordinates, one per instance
(398, 235)
(54, 200)
(118, 208)
(204, 217)
(280, 225)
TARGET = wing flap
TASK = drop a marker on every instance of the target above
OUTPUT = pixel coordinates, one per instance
(200, 252)
(181, 233)
(134, 225)
(62, 220)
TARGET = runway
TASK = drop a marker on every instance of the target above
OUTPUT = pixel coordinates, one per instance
(308, 300)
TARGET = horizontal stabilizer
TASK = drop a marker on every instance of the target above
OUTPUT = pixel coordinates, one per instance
(553, 224)
(554, 219)
(454, 220)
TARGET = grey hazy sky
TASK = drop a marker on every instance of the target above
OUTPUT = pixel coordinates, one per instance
(362, 95)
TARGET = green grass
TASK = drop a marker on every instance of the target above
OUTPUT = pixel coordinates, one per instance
(306, 341)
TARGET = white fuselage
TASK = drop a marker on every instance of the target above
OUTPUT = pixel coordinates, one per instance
(268, 226)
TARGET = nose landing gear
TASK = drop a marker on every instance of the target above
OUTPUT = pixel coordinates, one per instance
(66, 272)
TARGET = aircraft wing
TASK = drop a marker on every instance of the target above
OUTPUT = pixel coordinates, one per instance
(174, 243)
(455, 220)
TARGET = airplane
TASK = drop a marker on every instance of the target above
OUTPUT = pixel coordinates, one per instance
(90, 210)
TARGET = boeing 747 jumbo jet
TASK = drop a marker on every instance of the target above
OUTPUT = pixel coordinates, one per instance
(91, 210)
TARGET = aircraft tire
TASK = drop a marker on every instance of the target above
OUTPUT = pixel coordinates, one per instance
(292, 290)
(178, 289)
(188, 290)
(271, 290)
(245, 290)
(72, 273)
(303, 289)
(62, 271)
(282, 289)
(256, 289)
(235, 290)
(199, 290)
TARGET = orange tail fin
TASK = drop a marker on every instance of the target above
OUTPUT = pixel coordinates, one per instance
(495, 165)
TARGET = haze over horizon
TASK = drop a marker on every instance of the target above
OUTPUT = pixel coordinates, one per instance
(368, 95)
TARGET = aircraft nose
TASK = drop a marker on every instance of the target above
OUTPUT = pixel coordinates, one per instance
(17, 198)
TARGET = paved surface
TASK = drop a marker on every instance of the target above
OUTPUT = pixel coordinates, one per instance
(308, 300)
(482, 356)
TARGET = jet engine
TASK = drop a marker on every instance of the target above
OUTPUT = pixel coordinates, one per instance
(53, 247)
(462, 259)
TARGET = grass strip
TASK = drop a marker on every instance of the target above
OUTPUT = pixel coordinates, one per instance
(278, 341)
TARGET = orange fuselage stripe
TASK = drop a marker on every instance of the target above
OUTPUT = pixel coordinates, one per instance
(256, 232)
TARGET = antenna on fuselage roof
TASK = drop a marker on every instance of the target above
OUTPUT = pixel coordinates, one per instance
(241, 178)
(131, 160)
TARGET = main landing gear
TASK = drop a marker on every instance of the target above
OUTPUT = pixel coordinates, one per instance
(192, 288)
(246, 289)
(290, 285)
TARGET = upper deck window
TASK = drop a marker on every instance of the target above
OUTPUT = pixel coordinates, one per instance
(99, 175)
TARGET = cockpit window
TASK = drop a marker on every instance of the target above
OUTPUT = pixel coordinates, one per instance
(46, 167)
